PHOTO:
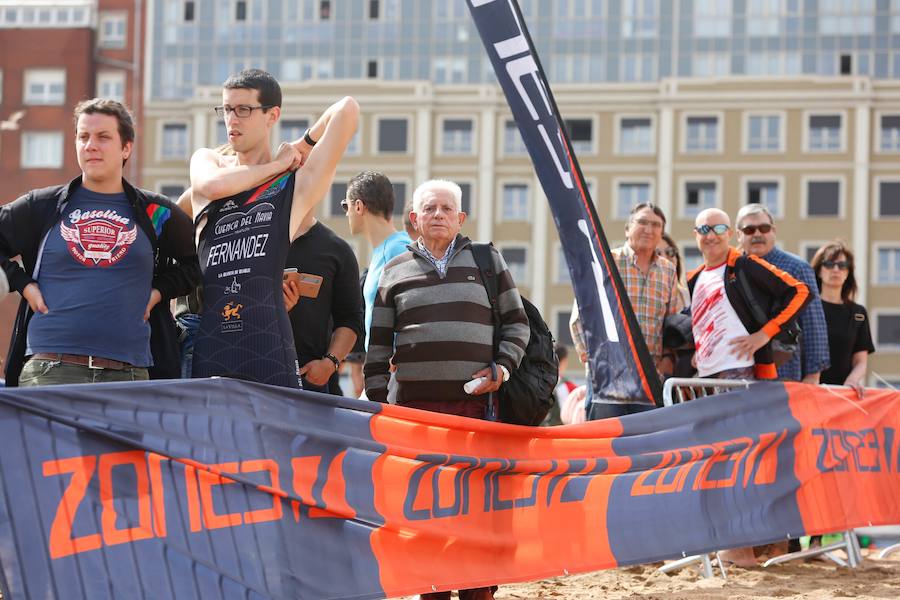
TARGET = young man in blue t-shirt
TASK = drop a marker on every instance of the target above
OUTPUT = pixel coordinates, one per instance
(370, 206)
(101, 260)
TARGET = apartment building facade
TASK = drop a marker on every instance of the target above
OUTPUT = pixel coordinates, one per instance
(690, 103)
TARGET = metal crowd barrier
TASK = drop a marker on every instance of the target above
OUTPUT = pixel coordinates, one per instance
(677, 390)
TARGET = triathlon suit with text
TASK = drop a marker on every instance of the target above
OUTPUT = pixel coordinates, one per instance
(244, 331)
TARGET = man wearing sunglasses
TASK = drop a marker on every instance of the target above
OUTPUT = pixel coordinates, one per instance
(369, 207)
(730, 343)
(756, 236)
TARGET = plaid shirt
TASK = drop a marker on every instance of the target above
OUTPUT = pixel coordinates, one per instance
(439, 263)
(814, 352)
(653, 296)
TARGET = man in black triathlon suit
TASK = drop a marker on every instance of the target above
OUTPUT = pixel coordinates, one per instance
(248, 208)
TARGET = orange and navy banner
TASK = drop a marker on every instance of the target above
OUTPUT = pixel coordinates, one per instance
(622, 370)
(227, 489)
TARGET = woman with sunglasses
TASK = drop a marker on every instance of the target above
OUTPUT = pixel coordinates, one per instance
(849, 337)
(669, 249)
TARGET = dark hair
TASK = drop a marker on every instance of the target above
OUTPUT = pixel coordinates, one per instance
(374, 189)
(407, 222)
(671, 243)
(113, 108)
(831, 251)
(259, 80)
(656, 211)
(561, 352)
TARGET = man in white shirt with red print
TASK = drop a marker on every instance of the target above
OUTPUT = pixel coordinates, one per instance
(730, 342)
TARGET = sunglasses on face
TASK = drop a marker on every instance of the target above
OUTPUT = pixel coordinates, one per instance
(345, 205)
(720, 229)
(843, 265)
(667, 252)
(752, 229)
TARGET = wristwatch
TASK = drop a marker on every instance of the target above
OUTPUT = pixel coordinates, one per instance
(334, 359)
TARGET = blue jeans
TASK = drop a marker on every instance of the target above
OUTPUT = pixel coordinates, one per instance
(188, 324)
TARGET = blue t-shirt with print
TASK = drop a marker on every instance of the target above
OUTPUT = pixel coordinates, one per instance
(394, 245)
(96, 272)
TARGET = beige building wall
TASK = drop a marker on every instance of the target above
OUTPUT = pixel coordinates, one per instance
(666, 166)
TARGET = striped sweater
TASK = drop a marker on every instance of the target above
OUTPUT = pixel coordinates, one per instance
(441, 326)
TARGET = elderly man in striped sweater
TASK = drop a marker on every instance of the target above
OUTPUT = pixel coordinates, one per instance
(432, 318)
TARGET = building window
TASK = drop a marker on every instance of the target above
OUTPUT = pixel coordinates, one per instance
(399, 197)
(374, 9)
(450, 70)
(767, 193)
(580, 134)
(512, 139)
(639, 18)
(710, 64)
(890, 133)
(888, 266)
(353, 148)
(698, 195)
(808, 250)
(824, 133)
(887, 329)
(764, 133)
(42, 150)
(889, 199)
(337, 194)
(172, 191)
(221, 133)
(691, 257)
(563, 334)
(515, 202)
(457, 136)
(466, 201)
(240, 10)
(174, 141)
(712, 18)
(392, 135)
(636, 136)
(372, 69)
(45, 86)
(112, 29)
(293, 129)
(846, 17)
(823, 198)
(189, 10)
(628, 195)
(562, 267)
(516, 258)
(324, 10)
(702, 134)
(111, 84)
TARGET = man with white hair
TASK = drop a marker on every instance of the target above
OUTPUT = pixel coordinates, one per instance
(433, 307)
(756, 235)
(433, 321)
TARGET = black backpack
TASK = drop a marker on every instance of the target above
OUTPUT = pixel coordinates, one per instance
(528, 395)
(787, 342)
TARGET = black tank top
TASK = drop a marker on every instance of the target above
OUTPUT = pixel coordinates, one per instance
(244, 328)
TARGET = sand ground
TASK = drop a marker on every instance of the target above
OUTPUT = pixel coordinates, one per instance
(815, 579)
(792, 581)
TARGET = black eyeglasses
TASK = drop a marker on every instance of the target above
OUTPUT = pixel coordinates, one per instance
(668, 252)
(241, 110)
(345, 204)
(843, 265)
(751, 229)
(719, 229)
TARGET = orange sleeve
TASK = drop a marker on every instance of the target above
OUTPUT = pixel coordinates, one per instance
(797, 302)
